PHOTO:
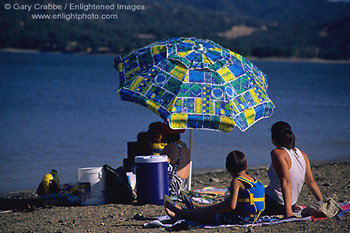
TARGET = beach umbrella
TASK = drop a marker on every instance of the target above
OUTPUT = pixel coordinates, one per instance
(195, 84)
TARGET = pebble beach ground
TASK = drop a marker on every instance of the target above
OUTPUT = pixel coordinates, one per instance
(331, 178)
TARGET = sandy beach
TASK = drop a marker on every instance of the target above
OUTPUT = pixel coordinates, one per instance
(331, 178)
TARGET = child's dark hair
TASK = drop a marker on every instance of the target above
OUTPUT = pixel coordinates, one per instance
(236, 161)
(282, 133)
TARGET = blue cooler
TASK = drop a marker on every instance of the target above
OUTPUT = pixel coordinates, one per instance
(151, 179)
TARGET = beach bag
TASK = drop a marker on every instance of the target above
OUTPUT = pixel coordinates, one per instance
(49, 184)
(118, 189)
(325, 208)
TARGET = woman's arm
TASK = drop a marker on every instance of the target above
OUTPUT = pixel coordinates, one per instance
(172, 152)
(282, 166)
(309, 180)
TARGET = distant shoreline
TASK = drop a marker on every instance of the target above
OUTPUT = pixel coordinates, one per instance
(200, 171)
(268, 59)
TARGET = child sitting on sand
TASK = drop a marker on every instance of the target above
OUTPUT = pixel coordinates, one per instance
(244, 205)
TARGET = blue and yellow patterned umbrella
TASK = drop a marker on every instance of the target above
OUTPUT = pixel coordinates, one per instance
(194, 83)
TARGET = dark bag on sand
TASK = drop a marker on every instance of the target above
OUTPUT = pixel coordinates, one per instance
(118, 189)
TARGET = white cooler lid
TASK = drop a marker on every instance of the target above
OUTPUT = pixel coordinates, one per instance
(151, 159)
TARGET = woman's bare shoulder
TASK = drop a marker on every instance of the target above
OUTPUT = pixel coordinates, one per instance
(278, 152)
(304, 155)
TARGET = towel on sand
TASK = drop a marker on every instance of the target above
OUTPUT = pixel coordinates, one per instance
(183, 224)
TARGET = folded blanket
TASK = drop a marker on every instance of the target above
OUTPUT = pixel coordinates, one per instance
(207, 195)
(211, 190)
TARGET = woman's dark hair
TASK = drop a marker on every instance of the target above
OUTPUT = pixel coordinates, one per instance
(155, 126)
(172, 137)
(236, 161)
(282, 133)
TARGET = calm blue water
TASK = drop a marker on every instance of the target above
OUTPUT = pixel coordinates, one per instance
(63, 112)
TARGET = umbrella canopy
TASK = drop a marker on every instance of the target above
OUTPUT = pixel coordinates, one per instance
(194, 83)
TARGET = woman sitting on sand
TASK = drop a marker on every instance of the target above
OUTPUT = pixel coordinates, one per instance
(290, 168)
(179, 158)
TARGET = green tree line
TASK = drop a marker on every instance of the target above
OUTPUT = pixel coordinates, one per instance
(314, 28)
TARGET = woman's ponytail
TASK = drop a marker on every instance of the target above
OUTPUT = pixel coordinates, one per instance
(283, 135)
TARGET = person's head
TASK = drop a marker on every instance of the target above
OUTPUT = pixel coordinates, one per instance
(155, 131)
(236, 162)
(172, 137)
(282, 135)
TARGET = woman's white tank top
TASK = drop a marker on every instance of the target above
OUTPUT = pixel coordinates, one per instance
(297, 177)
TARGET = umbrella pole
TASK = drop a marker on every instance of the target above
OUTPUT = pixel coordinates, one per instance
(190, 174)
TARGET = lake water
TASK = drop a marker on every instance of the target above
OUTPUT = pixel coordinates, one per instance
(63, 112)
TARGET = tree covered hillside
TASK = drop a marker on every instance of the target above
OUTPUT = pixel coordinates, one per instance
(263, 28)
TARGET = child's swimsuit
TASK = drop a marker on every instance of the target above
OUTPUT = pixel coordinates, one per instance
(250, 201)
(176, 184)
(157, 147)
